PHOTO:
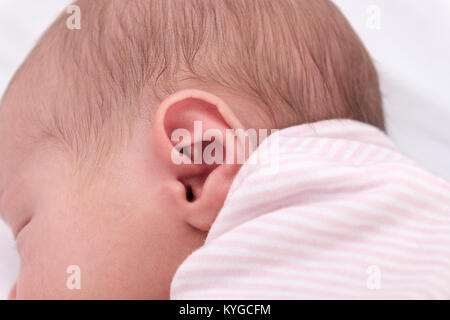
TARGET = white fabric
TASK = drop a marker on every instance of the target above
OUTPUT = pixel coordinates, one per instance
(411, 50)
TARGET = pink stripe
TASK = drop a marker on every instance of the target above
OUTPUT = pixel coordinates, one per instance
(371, 188)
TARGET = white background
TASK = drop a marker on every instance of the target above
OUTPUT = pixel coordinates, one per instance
(411, 50)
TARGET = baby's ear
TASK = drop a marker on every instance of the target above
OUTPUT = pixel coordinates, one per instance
(201, 143)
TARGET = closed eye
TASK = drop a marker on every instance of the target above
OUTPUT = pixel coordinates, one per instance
(20, 227)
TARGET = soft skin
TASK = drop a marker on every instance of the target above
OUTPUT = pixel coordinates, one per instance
(129, 225)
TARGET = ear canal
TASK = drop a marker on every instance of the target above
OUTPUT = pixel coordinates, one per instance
(189, 194)
(194, 182)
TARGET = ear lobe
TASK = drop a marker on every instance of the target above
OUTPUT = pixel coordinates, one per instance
(190, 129)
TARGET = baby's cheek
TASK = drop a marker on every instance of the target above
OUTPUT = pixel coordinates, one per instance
(39, 268)
(48, 257)
(81, 257)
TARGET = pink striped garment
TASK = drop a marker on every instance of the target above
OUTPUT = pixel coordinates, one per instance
(335, 212)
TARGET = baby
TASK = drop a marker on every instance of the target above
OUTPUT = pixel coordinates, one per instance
(101, 183)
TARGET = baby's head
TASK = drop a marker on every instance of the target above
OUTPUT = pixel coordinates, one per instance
(87, 170)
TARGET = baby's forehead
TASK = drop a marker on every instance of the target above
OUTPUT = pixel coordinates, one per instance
(27, 100)
(16, 131)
